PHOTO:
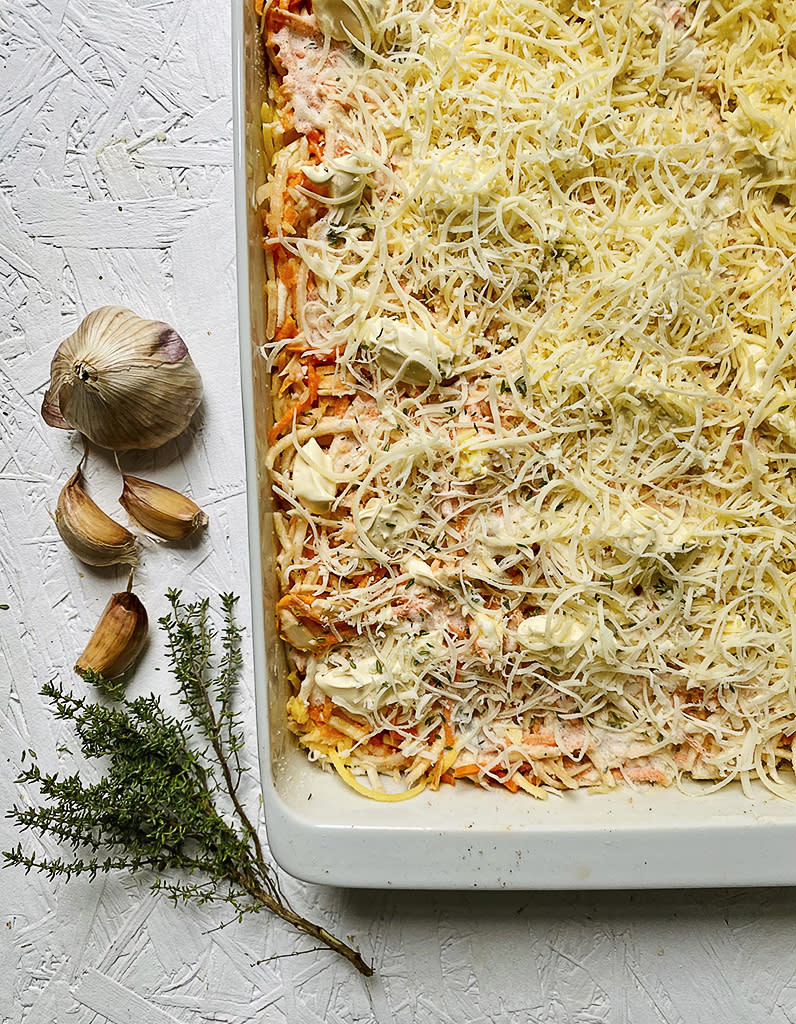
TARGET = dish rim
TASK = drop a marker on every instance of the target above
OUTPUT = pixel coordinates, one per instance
(465, 840)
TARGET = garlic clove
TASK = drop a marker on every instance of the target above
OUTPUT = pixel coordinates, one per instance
(161, 510)
(87, 531)
(118, 639)
(123, 381)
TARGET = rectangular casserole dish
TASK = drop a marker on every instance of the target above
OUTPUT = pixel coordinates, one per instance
(321, 831)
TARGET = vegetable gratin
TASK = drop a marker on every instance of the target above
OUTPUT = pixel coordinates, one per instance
(531, 338)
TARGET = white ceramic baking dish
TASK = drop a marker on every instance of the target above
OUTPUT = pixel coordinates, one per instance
(321, 831)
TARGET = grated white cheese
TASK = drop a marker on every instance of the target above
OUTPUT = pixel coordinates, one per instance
(564, 294)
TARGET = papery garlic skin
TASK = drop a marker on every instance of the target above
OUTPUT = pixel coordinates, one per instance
(87, 531)
(51, 413)
(119, 638)
(161, 510)
(123, 381)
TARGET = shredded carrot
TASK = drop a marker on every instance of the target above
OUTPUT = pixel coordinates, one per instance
(363, 578)
(297, 348)
(287, 329)
(315, 141)
(448, 777)
(316, 713)
(339, 407)
(466, 769)
(331, 736)
(325, 358)
(310, 398)
(287, 269)
(510, 785)
(542, 739)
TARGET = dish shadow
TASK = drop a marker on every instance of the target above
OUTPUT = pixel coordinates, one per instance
(616, 909)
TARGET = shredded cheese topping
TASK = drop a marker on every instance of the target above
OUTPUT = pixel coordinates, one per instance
(543, 365)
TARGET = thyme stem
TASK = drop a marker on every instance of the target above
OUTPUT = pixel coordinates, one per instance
(214, 734)
(302, 924)
(154, 808)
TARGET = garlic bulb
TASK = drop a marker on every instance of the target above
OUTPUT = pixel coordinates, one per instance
(119, 638)
(88, 532)
(123, 381)
(161, 510)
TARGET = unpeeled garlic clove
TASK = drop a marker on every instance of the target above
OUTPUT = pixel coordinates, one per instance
(123, 381)
(161, 510)
(119, 638)
(87, 531)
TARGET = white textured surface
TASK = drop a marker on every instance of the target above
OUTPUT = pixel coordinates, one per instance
(115, 186)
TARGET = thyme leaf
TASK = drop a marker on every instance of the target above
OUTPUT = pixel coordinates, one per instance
(168, 800)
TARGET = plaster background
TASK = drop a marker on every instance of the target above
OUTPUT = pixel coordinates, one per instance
(116, 187)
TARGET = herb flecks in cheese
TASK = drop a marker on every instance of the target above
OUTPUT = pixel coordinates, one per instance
(556, 292)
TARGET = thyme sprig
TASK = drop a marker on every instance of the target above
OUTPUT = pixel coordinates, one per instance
(168, 800)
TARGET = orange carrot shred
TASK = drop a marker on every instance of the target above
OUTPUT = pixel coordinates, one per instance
(315, 141)
(310, 398)
(287, 329)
